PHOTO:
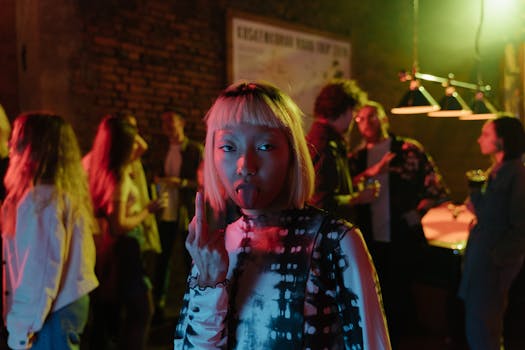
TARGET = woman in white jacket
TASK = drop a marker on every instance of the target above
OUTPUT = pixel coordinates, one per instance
(47, 226)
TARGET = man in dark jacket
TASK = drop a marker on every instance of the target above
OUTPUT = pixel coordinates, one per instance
(333, 110)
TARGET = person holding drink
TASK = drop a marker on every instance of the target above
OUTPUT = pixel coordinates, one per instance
(177, 179)
(411, 184)
(496, 244)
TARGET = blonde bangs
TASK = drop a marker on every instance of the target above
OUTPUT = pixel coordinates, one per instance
(253, 110)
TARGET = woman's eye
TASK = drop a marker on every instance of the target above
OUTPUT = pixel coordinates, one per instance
(226, 148)
(265, 147)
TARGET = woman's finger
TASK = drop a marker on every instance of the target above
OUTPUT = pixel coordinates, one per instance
(191, 231)
(200, 219)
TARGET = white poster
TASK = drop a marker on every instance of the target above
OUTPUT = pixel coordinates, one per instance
(298, 62)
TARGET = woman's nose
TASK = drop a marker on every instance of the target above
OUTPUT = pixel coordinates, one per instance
(246, 164)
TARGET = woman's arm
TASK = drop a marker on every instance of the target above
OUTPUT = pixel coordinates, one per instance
(202, 321)
(121, 222)
(358, 277)
(120, 219)
(202, 324)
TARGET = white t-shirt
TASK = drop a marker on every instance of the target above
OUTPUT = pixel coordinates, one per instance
(380, 208)
(172, 165)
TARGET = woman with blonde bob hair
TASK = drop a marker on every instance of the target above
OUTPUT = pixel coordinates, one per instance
(263, 105)
(284, 274)
(47, 227)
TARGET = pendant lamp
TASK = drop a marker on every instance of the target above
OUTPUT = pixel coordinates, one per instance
(481, 107)
(452, 105)
(417, 100)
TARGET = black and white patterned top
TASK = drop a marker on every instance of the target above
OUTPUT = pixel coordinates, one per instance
(304, 280)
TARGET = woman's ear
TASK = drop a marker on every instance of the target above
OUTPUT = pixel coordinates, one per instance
(499, 144)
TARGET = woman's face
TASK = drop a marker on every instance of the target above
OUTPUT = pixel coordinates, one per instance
(489, 142)
(139, 147)
(252, 163)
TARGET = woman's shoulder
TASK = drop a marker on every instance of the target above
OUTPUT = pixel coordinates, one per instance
(38, 193)
(124, 186)
(40, 199)
(511, 171)
(519, 170)
(335, 232)
(331, 226)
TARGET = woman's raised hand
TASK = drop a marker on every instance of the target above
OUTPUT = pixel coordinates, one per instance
(206, 246)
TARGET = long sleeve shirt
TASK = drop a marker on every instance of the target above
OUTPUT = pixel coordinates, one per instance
(413, 177)
(497, 241)
(305, 281)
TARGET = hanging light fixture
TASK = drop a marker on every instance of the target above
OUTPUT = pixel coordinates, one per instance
(481, 107)
(417, 100)
(452, 105)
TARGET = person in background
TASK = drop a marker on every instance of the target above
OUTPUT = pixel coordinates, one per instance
(284, 275)
(151, 246)
(496, 244)
(333, 110)
(47, 234)
(177, 179)
(125, 289)
(410, 185)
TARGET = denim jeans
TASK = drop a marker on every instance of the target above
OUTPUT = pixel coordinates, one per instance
(63, 328)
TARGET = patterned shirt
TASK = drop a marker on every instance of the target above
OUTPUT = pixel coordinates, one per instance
(301, 281)
(413, 177)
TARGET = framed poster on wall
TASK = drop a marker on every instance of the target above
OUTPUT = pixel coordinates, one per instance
(297, 60)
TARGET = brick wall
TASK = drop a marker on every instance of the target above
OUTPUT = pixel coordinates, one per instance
(146, 58)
